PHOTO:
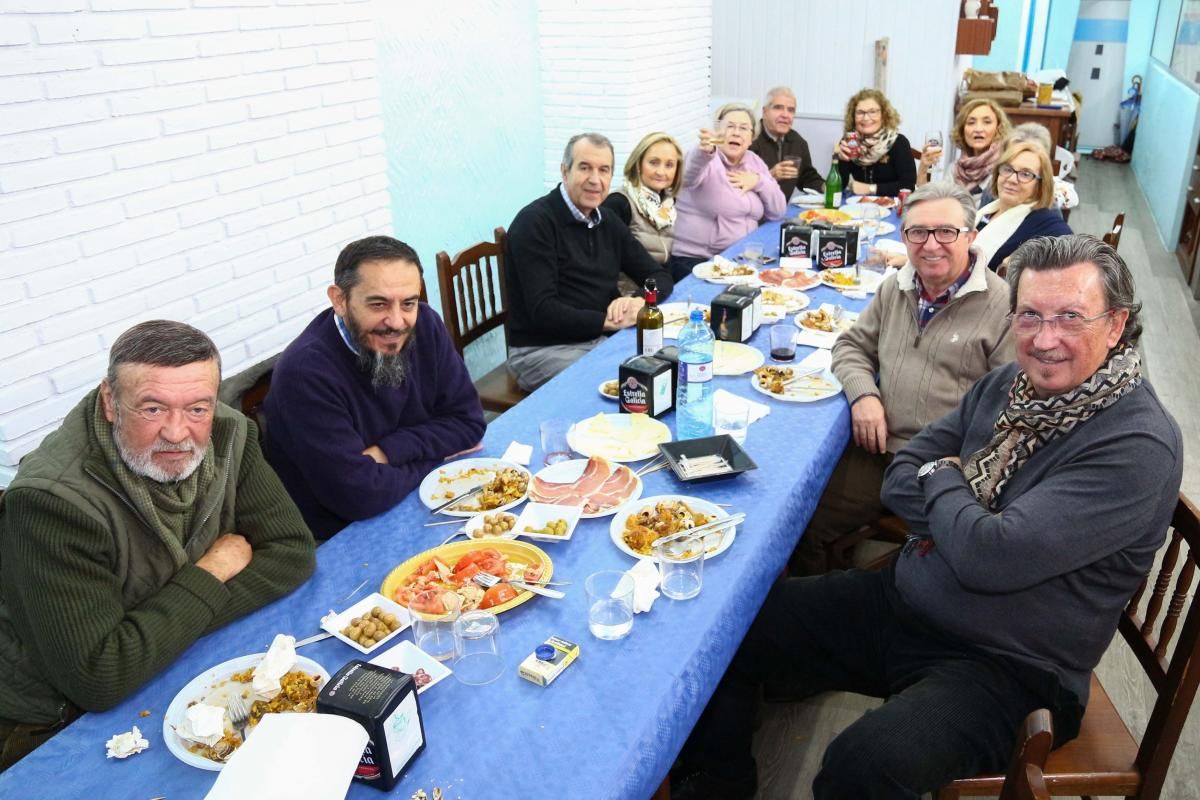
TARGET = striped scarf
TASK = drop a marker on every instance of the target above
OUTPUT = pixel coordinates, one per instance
(1029, 422)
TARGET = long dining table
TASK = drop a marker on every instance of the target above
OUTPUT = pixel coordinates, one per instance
(612, 724)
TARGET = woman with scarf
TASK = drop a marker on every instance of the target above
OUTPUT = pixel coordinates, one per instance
(882, 162)
(727, 190)
(979, 132)
(1023, 185)
(646, 201)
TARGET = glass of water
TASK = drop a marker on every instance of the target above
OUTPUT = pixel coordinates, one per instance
(732, 418)
(610, 604)
(681, 568)
(477, 648)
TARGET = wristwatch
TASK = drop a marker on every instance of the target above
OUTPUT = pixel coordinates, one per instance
(930, 467)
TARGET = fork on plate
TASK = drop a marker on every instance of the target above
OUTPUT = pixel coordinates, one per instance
(487, 580)
(239, 714)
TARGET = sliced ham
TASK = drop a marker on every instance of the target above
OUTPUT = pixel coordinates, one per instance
(616, 489)
(600, 487)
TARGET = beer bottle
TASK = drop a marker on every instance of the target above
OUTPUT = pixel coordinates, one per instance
(833, 186)
(650, 322)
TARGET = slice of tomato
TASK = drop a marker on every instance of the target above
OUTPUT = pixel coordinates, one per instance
(463, 577)
(475, 556)
(533, 572)
(428, 602)
(498, 594)
(493, 566)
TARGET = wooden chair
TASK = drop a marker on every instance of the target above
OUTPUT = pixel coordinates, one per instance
(1113, 237)
(1105, 759)
(253, 400)
(475, 302)
(839, 554)
(1024, 780)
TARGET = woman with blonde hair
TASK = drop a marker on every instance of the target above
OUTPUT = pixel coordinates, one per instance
(1023, 185)
(980, 130)
(882, 162)
(646, 202)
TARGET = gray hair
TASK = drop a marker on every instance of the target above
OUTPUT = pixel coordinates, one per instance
(1060, 252)
(774, 92)
(941, 190)
(729, 108)
(161, 343)
(596, 139)
(1032, 132)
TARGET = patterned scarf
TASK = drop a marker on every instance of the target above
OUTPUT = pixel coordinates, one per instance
(874, 148)
(1028, 422)
(659, 210)
(973, 170)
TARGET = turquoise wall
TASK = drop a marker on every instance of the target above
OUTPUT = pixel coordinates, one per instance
(1060, 33)
(1166, 147)
(462, 112)
(1009, 35)
(1142, 17)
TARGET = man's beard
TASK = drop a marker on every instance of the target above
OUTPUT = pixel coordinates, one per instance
(142, 463)
(385, 369)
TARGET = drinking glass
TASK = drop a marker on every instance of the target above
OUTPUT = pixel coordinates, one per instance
(477, 648)
(934, 139)
(783, 341)
(732, 418)
(610, 604)
(435, 633)
(753, 252)
(680, 568)
(870, 225)
(553, 433)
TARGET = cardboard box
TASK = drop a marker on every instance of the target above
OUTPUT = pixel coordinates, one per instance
(644, 386)
(755, 295)
(543, 671)
(732, 317)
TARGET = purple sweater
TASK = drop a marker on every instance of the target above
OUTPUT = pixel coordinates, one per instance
(712, 212)
(322, 412)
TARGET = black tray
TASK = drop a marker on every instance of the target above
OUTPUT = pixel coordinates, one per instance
(722, 445)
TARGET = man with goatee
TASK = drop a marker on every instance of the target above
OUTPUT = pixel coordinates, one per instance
(371, 396)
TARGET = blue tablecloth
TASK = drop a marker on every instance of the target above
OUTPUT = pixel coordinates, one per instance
(613, 723)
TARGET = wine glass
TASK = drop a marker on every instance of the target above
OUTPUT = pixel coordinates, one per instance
(934, 139)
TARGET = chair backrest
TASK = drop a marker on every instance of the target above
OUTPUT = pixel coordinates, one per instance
(1175, 674)
(1033, 746)
(474, 296)
(253, 399)
(1113, 237)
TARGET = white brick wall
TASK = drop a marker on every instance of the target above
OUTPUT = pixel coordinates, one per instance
(623, 69)
(201, 160)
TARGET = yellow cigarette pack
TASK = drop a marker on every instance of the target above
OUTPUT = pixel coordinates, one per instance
(549, 659)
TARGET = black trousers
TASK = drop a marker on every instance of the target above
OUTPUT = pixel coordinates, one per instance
(951, 710)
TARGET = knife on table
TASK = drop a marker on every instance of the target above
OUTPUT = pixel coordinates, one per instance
(453, 501)
(542, 590)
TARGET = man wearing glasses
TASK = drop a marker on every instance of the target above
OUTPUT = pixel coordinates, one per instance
(1036, 506)
(147, 520)
(930, 331)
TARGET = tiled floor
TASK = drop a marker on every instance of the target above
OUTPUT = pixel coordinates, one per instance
(790, 743)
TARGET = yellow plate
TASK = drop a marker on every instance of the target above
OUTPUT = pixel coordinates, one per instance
(513, 551)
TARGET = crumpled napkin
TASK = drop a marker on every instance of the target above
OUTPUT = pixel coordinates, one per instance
(518, 453)
(123, 745)
(645, 585)
(278, 661)
(203, 724)
(724, 399)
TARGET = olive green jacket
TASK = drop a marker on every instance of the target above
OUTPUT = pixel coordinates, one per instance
(94, 602)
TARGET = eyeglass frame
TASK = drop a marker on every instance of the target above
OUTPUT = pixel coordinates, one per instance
(1055, 322)
(740, 127)
(931, 231)
(869, 112)
(1005, 170)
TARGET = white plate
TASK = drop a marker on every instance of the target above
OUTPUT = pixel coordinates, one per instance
(613, 397)
(612, 436)
(679, 313)
(536, 515)
(868, 280)
(475, 525)
(704, 271)
(408, 658)
(201, 688)
(890, 246)
(571, 471)
(433, 493)
(815, 338)
(735, 358)
(796, 301)
(807, 200)
(335, 623)
(856, 200)
(617, 526)
(806, 390)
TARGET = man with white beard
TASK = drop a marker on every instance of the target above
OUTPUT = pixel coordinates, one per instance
(369, 397)
(147, 520)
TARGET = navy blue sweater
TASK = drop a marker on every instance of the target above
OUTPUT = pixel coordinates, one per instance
(1040, 222)
(322, 412)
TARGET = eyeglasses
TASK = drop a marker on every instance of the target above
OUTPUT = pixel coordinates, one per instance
(869, 112)
(1027, 323)
(941, 235)
(156, 413)
(1023, 175)
(740, 128)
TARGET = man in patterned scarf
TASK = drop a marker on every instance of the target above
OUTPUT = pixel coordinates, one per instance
(1036, 506)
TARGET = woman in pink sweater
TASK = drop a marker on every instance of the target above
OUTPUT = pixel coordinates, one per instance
(727, 191)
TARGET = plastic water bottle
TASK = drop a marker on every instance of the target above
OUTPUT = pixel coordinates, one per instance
(693, 397)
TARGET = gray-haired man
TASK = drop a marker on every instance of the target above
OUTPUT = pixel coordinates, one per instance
(562, 266)
(147, 520)
(785, 151)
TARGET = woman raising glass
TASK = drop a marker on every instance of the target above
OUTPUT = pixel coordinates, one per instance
(881, 163)
(979, 132)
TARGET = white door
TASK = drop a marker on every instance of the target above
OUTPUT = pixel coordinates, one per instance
(1096, 68)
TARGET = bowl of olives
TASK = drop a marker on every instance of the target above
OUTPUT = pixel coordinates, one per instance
(368, 623)
(543, 522)
(492, 525)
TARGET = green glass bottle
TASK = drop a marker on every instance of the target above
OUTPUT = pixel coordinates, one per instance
(833, 186)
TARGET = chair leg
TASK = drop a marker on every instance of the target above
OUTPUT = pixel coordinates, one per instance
(664, 791)
(948, 793)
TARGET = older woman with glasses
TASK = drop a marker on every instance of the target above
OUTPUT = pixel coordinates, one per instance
(726, 191)
(1023, 185)
(881, 163)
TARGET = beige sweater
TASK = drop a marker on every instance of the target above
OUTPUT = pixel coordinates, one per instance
(923, 374)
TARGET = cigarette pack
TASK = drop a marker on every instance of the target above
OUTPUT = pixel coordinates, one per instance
(550, 658)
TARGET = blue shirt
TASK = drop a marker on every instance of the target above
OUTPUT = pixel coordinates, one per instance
(592, 220)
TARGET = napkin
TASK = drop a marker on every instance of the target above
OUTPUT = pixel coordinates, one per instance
(123, 745)
(278, 661)
(203, 724)
(518, 453)
(726, 399)
(645, 585)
